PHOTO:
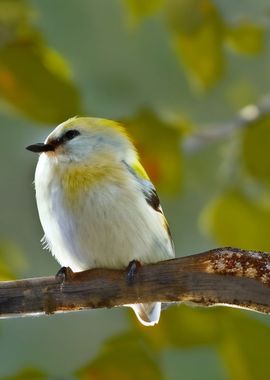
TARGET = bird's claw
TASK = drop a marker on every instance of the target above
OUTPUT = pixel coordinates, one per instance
(64, 274)
(132, 269)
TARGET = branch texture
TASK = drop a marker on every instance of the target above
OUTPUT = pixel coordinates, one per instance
(219, 131)
(221, 276)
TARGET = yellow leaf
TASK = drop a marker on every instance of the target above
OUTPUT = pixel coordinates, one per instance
(240, 335)
(256, 148)
(28, 83)
(232, 333)
(27, 374)
(246, 37)
(140, 8)
(198, 39)
(184, 327)
(158, 143)
(232, 219)
(125, 357)
(11, 260)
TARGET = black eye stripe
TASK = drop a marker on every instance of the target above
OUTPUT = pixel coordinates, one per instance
(69, 135)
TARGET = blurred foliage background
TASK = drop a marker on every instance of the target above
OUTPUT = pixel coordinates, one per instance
(190, 78)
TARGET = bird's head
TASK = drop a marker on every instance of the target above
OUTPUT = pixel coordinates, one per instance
(81, 138)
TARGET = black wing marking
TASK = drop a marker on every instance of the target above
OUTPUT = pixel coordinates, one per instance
(147, 188)
(151, 196)
(152, 199)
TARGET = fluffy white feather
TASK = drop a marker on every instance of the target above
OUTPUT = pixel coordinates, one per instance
(93, 210)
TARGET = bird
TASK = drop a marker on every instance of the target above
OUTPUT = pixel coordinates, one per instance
(96, 203)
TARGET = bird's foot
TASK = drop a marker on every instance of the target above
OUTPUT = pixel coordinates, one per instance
(64, 274)
(132, 269)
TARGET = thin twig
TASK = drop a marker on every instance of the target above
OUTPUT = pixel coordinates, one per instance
(214, 132)
(221, 276)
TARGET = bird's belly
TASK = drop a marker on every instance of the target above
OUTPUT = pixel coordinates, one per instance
(107, 228)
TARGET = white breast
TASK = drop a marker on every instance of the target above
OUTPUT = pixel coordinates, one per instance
(109, 226)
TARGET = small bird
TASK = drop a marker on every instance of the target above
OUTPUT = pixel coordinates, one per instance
(97, 206)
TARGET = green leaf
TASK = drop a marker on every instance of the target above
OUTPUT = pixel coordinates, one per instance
(240, 340)
(197, 31)
(244, 346)
(241, 92)
(232, 333)
(236, 220)
(11, 261)
(255, 149)
(28, 82)
(125, 357)
(27, 374)
(184, 327)
(246, 37)
(158, 143)
(15, 20)
(34, 79)
(140, 8)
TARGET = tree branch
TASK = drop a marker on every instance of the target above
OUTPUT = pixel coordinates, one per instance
(214, 132)
(221, 276)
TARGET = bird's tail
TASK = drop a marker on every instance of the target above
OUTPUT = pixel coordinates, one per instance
(147, 313)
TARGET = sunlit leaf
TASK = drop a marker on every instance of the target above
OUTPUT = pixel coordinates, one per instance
(241, 92)
(56, 64)
(198, 39)
(256, 148)
(184, 327)
(246, 37)
(158, 143)
(15, 19)
(244, 347)
(11, 261)
(27, 374)
(29, 84)
(233, 333)
(140, 8)
(34, 79)
(126, 357)
(236, 220)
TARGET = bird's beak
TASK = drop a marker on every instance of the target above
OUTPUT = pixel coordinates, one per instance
(41, 147)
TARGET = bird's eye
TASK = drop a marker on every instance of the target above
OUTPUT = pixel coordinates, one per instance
(69, 135)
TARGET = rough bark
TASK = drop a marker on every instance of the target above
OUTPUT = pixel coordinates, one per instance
(221, 276)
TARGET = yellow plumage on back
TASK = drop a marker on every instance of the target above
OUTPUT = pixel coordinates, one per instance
(139, 169)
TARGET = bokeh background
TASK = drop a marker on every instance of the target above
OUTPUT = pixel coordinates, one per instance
(190, 78)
